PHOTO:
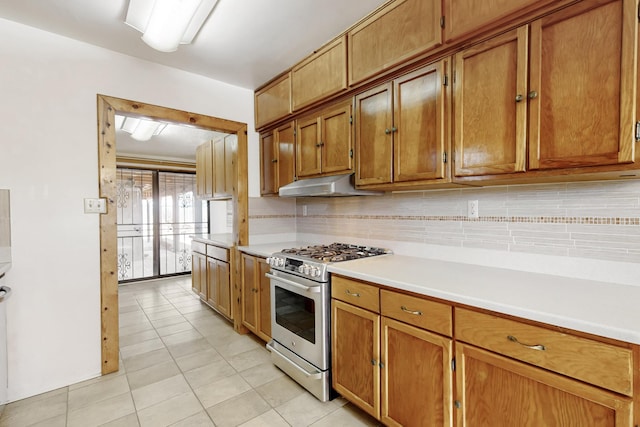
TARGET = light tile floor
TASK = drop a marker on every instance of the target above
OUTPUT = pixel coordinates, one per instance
(182, 364)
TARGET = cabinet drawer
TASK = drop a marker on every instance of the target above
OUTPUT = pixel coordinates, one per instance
(218, 253)
(419, 312)
(356, 293)
(198, 247)
(595, 362)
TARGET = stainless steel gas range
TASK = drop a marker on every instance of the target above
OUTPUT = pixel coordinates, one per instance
(301, 312)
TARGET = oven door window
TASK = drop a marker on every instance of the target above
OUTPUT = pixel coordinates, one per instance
(296, 313)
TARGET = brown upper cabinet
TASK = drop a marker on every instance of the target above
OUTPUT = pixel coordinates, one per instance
(465, 17)
(273, 101)
(397, 32)
(204, 164)
(572, 108)
(224, 166)
(277, 158)
(401, 130)
(321, 75)
(324, 142)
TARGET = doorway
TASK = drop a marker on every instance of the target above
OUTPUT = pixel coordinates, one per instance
(107, 109)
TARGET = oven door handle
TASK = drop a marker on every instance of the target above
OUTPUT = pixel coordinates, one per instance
(315, 376)
(314, 289)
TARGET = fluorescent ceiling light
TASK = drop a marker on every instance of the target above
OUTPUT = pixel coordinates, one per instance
(165, 24)
(140, 129)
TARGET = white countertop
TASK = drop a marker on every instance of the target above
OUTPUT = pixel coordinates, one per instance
(224, 240)
(606, 309)
(267, 249)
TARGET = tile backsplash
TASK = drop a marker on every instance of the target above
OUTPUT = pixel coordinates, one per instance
(597, 220)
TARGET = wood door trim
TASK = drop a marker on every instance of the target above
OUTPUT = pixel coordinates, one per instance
(106, 108)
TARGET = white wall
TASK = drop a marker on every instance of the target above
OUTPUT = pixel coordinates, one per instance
(48, 159)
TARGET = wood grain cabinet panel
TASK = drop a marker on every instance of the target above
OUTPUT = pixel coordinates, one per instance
(199, 275)
(397, 32)
(490, 106)
(324, 142)
(268, 163)
(256, 295)
(277, 158)
(273, 102)
(400, 130)
(355, 292)
(264, 299)
(494, 391)
(321, 75)
(430, 315)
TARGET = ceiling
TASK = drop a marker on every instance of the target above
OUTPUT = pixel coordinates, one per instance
(243, 42)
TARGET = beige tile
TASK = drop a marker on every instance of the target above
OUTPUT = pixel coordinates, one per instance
(166, 321)
(279, 391)
(163, 314)
(130, 420)
(145, 360)
(174, 329)
(98, 391)
(209, 373)
(135, 328)
(193, 309)
(235, 344)
(152, 374)
(226, 414)
(348, 415)
(183, 349)
(35, 409)
(102, 412)
(249, 359)
(269, 419)
(305, 409)
(141, 348)
(197, 360)
(261, 374)
(168, 388)
(182, 337)
(221, 390)
(127, 340)
(169, 411)
(58, 421)
(201, 419)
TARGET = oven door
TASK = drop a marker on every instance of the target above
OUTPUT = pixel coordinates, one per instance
(300, 316)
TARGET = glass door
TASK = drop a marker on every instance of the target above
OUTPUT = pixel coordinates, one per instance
(157, 212)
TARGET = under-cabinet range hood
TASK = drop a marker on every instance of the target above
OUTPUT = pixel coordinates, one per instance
(325, 186)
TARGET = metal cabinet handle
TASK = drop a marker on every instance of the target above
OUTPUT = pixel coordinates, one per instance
(311, 375)
(394, 129)
(274, 161)
(352, 294)
(519, 98)
(533, 94)
(313, 289)
(387, 131)
(538, 347)
(406, 310)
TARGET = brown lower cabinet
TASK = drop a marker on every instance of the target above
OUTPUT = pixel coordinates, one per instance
(211, 277)
(256, 296)
(393, 356)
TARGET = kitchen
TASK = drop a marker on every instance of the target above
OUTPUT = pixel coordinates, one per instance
(42, 76)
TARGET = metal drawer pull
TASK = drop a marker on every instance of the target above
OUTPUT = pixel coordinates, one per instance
(539, 347)
(353, 294)
(406, 310)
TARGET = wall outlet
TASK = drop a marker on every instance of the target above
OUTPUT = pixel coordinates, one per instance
(472, 209)
(95, 205)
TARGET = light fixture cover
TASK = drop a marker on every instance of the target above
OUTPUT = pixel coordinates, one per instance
(141, 129)
(166, 24)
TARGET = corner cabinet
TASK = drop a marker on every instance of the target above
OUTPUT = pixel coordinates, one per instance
(277, 158)
(531, 100)
(324, 143)
(385, 358)
(400, 134)
(256, 296)
(397, 32)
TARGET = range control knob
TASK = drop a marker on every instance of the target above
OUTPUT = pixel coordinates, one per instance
(280, 262)
(269, 261)
(306, 269)
(315, 272)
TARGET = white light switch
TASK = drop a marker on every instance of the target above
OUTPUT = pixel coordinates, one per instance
(95, 206)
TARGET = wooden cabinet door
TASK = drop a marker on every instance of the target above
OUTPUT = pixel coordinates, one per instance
(308, 153)
(397, 32)
(465, 17)
(230, 164)
(212, 282)
(355, 347)
(264, 293)
(374, 135)
(285, 154)
(419, 117)
(199, 274)
(219, 175)
(249, 293)
(583, 81)
(495, 391)
(416, 376)
(201, 170)
(224, 289)
(209, 185)
(268, 161)
(490, 93)
(335, 145)
(321, 75)
(273, 102)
